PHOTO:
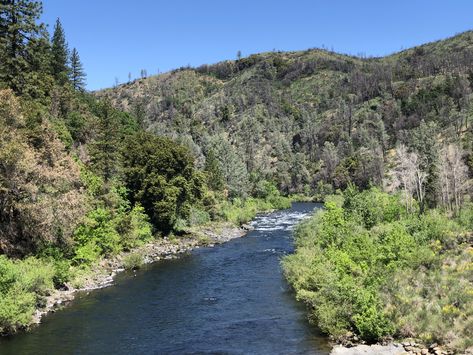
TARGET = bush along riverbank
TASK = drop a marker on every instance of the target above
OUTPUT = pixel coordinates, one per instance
(370, 272)
(102, 272)
(34, 286)
(83, 187)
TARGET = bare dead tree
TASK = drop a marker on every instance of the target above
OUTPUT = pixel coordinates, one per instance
(453, 177)
(408, 176)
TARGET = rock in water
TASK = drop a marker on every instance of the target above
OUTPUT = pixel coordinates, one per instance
(368, 350)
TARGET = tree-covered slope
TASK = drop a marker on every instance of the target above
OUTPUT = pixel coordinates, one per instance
(313, 120)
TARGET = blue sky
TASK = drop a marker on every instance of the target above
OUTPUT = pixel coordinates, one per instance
(115, 37)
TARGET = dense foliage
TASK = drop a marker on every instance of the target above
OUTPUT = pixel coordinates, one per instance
(81, 180)
(41, 198)
(315, 121)
(22, 287)
(160, 175)
(312, 122)
(364, 265)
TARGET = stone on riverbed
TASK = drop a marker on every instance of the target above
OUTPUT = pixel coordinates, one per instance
(368, 350)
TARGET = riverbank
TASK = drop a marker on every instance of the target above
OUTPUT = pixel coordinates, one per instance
(408, 347)
(370, 272)
(213, 300)
(106, 241)
(103, 272)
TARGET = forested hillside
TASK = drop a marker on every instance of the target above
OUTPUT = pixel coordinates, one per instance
(373, 266)
(87, 176)
(79, 180)
(314, 121)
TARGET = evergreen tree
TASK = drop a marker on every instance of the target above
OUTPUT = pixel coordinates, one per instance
(215, 178)
(77, 71)
(60, 53)
(232, 167)
(39, 54)
(104, 153)
(39, 80)
(17, 28)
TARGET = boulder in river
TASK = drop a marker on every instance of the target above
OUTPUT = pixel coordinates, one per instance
(391, 349)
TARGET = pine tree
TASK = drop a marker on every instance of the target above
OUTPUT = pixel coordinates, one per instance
(215, 178)
(60, 54)
(77, 71)
(104, 153)
(39, 81)
(17, 28)
(231, 165)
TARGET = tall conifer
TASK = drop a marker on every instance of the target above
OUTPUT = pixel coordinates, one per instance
(60, 54)
(77, 71)
(17, 28)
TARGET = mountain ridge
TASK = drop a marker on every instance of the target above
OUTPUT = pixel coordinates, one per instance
(294, 93)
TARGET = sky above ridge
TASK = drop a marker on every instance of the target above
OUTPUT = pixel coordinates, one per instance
(118, 37)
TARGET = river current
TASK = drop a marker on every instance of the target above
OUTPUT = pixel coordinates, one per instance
(230, 299)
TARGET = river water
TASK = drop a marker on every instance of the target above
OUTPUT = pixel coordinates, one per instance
(230, 299)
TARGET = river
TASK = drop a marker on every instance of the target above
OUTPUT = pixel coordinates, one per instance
(230, 299)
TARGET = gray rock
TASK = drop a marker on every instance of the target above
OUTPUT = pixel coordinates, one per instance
(390, 349)
(247, 227)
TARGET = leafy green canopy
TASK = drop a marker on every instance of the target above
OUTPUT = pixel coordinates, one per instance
(365, 266)
(160, 174)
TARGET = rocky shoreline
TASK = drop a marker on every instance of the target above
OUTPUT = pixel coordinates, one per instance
(164, 249)
(104, 272)
(408, 347)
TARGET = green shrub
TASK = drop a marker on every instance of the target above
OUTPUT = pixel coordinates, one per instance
(137, 229)
(87, 252)
(395, 244)
(372, 206)
(94, 184)
(62, 273)
(364, 266)
(465, 217)
(198, 217)
(133, 261)
(432, 226)
(96, 236)
(23, 283)
(180, 225)
(35, 275)
(61, 265)
(372, 324)
(16, 309)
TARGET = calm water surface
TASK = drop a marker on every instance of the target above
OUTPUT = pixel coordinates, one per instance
(231, 299)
